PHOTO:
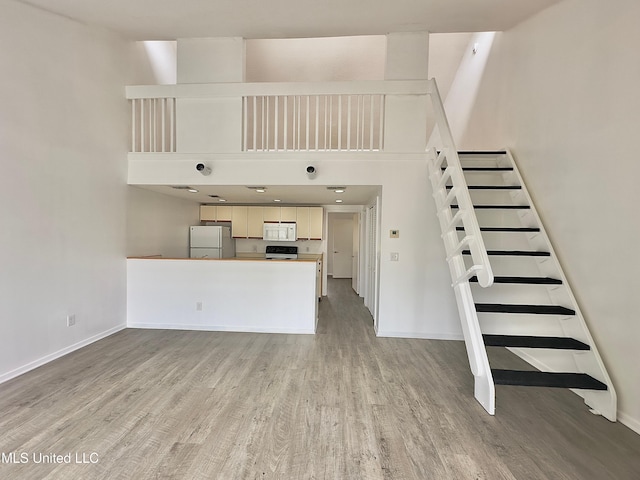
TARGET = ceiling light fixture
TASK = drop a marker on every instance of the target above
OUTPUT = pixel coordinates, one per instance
(221, 200)
(338, 201)
(192, 190)
(277, 200)
(260, 190)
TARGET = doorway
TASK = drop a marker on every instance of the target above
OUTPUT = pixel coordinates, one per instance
(343, 246)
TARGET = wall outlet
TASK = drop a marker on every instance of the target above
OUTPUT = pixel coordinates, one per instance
(71, 320)
(199, 306)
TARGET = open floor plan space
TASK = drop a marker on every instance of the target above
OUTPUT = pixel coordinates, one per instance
(340, 404)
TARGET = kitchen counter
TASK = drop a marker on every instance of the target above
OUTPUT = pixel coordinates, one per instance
(301, 258)
(230, 294)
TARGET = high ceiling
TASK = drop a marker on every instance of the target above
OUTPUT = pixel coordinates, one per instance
(171, 19)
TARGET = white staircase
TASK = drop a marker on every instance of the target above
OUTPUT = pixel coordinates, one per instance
(529, 308)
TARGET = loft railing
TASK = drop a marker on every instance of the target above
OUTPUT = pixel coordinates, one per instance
(445, 171)
(153, 125)
(313, 122)
(276, 117)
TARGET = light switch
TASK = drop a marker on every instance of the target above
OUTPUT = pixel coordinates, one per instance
(394, 233)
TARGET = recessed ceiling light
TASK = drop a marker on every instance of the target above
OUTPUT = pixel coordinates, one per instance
(338, 201)
(192, 190)
(277, 200)
(260, 190)
(221, 200)
(339, 191)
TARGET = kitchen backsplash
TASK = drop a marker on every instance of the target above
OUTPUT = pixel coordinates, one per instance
(259, 246)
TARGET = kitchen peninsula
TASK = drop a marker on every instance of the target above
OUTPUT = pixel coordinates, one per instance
(234, 294)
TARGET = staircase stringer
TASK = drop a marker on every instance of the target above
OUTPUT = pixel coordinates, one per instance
(450, 185)
(589, 362)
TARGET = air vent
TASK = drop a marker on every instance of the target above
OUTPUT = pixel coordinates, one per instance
(180, 187)
(214, 196)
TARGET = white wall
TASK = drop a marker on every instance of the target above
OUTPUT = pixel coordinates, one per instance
(159, 224)
(63, 143)
(316, 59)
(563, 88)
(416, 299)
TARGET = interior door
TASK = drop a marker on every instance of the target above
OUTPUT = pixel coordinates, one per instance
(342, 247)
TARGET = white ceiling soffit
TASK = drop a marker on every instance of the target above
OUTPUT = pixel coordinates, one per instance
(172, 19)
(287, 194)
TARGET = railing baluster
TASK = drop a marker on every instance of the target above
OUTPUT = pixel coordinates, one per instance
(371, 123)
(317, 119)
(276, 124)
(254, 113)
(173, 125)
(307, 120)
(349, 122)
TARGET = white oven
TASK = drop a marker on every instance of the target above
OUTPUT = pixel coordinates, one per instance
(280, 232)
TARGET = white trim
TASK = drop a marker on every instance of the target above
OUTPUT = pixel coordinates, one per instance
(629, 421)
(422, 336)
(219, 328)
(60, 353)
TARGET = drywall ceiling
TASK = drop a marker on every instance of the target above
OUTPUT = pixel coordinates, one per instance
(287, 194)
(172, 19)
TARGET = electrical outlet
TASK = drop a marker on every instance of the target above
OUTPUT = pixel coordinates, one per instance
(199, 306)
(71, 320)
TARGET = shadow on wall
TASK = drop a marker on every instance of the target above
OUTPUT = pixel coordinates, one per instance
(464, 88)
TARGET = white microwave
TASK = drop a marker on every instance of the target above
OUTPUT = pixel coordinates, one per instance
(280, 232)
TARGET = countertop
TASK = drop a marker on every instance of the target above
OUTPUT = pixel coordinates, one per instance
(254, 258)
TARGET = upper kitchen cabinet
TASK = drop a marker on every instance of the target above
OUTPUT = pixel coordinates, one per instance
(309, 222)
(255, 221)
(288, 214)
(239, 225)
(316, 217)
(271, 214)
(215, 213)
(208, 213)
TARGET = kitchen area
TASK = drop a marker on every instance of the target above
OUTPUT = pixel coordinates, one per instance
(252, 268)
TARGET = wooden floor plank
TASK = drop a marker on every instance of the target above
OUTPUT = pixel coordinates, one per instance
(341, 404)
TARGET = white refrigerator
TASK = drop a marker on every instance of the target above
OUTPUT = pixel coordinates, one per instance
(211, 242)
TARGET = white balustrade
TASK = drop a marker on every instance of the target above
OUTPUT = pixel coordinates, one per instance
(153, 122)
(313, 122)
(301, 116)
(453, 177)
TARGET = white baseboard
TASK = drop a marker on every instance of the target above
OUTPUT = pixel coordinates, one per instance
(629, 421)
(60, 353)
(219, 328)
(422, 336)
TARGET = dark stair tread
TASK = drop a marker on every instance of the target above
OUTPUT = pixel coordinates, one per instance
(485, 169)
(514, 253)
(482, 152)
(523, 280)
(564, 343)
(498, 207)
(526, 309)
(505, 229)
(491, 187)
(535, 378)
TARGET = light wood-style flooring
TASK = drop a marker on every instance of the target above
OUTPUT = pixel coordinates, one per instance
(342, 404)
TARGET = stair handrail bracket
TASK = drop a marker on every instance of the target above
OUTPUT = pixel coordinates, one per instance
(449, 184)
